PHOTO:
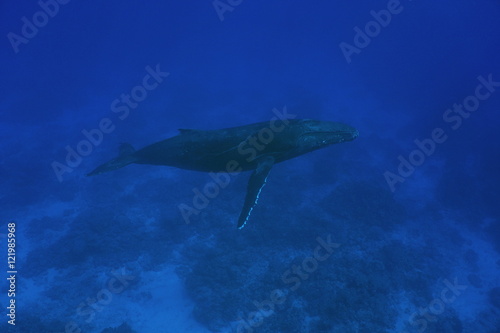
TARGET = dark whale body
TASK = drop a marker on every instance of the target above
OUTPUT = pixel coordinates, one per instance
(252, 147)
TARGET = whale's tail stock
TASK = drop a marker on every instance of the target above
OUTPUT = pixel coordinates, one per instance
(124, 158)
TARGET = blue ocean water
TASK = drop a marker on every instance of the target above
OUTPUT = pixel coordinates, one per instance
(396, 231)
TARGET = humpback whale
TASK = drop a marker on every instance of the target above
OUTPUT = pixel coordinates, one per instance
(254, 147)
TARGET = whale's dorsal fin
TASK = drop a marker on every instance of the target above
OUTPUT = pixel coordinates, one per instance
(126, 149)
(187, 130)
(255, 184)
(125, 157)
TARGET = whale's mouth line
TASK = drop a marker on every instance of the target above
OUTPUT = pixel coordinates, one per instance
(354, 133)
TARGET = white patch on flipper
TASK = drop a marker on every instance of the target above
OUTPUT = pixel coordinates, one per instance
(254, 204)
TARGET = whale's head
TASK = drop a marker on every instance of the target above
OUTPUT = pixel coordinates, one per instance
(316, 134)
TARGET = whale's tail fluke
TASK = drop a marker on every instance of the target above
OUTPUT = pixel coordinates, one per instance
(125, 157)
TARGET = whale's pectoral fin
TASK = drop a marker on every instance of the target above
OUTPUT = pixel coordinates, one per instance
(255, 184)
